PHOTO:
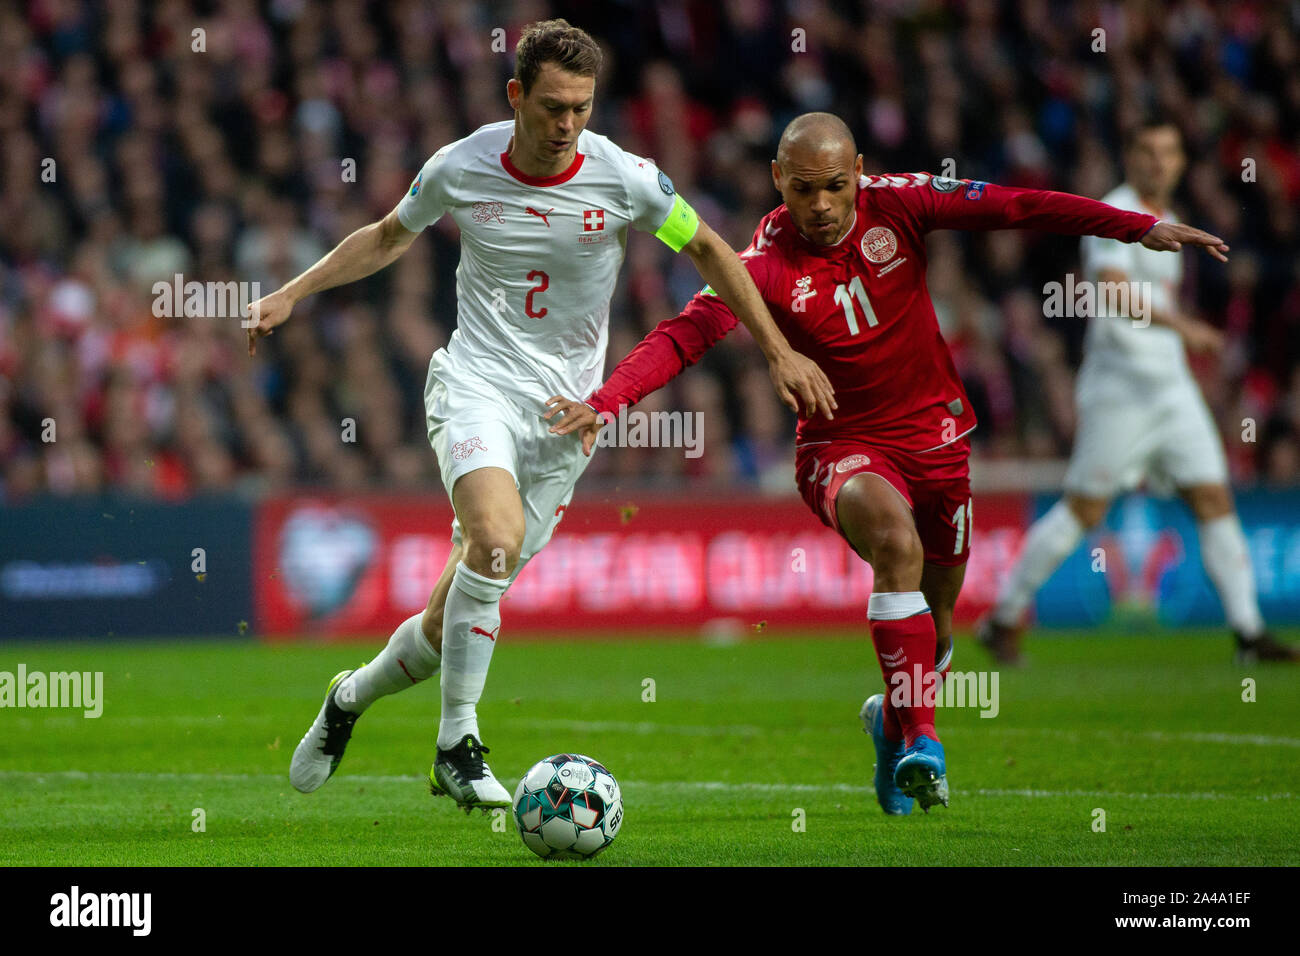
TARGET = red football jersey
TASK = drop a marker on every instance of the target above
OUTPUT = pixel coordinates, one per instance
(860, 309)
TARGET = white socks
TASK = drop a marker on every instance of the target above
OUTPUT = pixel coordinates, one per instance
(407, 659)
(469, 631)
(1049, 541)
(1227, 562)
(895, 605)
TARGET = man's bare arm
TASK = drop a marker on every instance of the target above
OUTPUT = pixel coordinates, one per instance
(1197, 335)
(364, 252)
(792, 374)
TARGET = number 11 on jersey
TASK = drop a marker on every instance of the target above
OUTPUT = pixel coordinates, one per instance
(844, 295)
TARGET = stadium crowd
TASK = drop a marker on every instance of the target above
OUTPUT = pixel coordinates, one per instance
(136, 148)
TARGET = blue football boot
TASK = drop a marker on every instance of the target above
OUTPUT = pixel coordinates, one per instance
(888, 752)
(921, 773)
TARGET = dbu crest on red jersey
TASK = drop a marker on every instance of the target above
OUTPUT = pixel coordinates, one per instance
(879, 244)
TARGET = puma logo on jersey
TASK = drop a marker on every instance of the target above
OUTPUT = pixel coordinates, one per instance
(463, 449)
(540, 215)
(490, 635)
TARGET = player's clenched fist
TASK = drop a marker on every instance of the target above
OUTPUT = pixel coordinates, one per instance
(265, 314)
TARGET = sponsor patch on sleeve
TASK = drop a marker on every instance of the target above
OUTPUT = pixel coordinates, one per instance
(944, 184)
(975, 190)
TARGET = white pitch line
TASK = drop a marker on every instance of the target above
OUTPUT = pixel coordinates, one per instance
(1188, 736)
(651, 728)
(639, 727)
(670, 785)
(644, 727)
(1256, 740)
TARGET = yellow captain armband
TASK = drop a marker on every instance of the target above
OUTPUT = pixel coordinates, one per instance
(680, 226)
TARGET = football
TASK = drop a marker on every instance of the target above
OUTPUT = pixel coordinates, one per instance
(568, 807)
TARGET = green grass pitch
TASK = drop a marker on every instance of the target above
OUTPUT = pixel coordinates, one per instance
(740, 744)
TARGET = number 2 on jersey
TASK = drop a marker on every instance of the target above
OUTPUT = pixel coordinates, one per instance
(844, 295)
(541, 286)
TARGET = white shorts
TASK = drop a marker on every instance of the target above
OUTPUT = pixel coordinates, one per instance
(1127, 435)
(473, 425)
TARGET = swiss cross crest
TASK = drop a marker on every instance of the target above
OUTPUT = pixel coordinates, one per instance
(593, 220)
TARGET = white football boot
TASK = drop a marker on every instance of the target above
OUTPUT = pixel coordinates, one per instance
(461, 773)
(320, 751)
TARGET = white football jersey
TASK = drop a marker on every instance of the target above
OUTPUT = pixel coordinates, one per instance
(539, 257)
(1114, 342)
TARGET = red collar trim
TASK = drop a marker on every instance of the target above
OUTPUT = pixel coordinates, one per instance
(555, 180)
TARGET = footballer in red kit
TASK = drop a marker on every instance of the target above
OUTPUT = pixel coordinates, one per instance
(841, 266)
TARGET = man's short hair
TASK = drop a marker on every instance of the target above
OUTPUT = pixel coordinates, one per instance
(1146, 125)
(554, 41)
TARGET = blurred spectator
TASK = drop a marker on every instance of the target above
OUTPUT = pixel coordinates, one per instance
(133, 153)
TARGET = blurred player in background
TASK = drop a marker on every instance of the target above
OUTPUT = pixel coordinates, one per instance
(1141, 416)
(543, 208)
(842, 267)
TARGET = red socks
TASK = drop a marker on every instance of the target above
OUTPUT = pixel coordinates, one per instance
(902, 631)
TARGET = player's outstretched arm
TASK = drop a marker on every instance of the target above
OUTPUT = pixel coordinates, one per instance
(940, 203)
(672, 346)
(792, 374)
(367, 250)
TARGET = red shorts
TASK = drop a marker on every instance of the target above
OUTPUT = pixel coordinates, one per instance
(935, 485)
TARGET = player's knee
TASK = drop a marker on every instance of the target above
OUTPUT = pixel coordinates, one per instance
(896, 551)
(493, 550)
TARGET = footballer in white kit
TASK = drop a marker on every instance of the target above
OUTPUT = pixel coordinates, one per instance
(543, 208)
(538, 263)
(1141, 417)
